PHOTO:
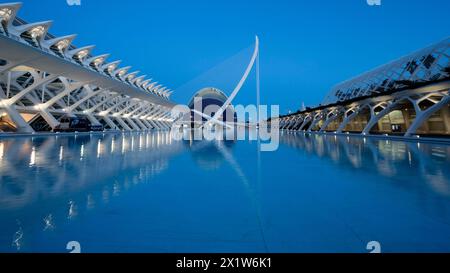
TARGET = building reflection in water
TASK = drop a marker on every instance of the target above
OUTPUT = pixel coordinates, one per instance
(407, 162)
(79, 170)
(55, 181)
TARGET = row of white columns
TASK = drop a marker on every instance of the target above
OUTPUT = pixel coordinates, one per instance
(300, 122)
(138, 114)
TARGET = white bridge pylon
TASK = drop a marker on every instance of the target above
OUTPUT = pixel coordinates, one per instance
(219, 113)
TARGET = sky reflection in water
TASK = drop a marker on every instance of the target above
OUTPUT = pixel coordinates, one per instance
(149, 193)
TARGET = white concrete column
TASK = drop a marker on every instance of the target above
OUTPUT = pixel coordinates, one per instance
(132, 124)
(123, 124)
(422, 116)
(110, 123)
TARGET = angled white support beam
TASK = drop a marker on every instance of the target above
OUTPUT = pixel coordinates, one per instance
(154, 125)
(329, 120)
(142, 112)
(151, 112)
(126, 108)
(92, 119)
(305, 122)
(95, 107)
(348, 118)
(110, 122)
(48, 117)
(38, 83)
(140, 124)
(147, 123)
(317, 118)
(84, 99)
(423, 116)
(156, 113)
(375, 118)
(133, 124)
(21, 124)
(67, 90)
(115, 105)
(143, 105)
(123, 124)
(296, 124)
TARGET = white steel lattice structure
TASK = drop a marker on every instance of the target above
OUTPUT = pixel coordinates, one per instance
(409, 96)
(426, 65)
(43, 77)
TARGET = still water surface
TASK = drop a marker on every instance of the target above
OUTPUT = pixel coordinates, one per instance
(149, 193)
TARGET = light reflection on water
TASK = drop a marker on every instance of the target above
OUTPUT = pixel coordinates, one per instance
(410, 162)
(149, 193)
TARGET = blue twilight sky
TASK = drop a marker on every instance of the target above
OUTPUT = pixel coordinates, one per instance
(306, 46)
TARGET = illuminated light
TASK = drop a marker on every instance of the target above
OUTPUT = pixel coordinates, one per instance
(82, 54)
(72, 210)
(38, 106)
(49, 224)
(2, 150)
(82, 152)
(33, 157)
(141, 142)
(61, 153)
(37, 31)
(111, 67)
(90, 202)
(105, 195)
(99, 148)
(113, 145)
(63, 44)
(98, 61)
(123, 145)
(116, 189)
(5, 14)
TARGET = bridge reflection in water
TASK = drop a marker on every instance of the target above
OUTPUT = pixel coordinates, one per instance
(146, 192)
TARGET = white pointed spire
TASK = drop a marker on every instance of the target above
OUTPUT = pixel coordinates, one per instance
(61, 43)
(8, 12)
(37, 30)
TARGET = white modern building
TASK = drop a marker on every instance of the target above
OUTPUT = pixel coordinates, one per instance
(407, 97)
(44, 78)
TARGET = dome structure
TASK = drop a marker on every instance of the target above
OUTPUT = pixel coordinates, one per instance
(208, 101)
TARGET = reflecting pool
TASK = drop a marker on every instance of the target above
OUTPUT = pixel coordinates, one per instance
(147, 192)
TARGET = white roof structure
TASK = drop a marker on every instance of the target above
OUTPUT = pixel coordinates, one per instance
(426, 65)
(62, 50)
